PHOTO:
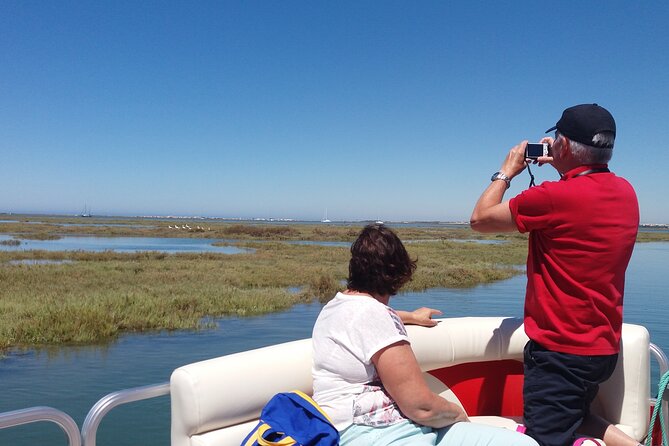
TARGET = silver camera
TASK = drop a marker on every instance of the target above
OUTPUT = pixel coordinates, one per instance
(536, 150)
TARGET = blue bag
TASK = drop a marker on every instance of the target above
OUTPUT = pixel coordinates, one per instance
(292, 418)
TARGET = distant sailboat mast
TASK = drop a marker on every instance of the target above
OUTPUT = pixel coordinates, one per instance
(87, 212)
(325, 219)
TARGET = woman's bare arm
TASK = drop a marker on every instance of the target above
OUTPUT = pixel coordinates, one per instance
(403, 380)
(420, 316)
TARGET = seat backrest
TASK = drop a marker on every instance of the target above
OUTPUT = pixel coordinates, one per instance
(217, 402)
(219, 393)
(624, 399)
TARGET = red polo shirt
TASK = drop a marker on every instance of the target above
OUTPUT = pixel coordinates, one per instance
(582, 232)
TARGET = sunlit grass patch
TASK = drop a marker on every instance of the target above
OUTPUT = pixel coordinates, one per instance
(103, 294)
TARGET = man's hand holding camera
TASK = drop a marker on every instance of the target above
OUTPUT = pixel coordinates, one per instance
(548, 159)
(515, 161)
(536, 153)
(490, 213)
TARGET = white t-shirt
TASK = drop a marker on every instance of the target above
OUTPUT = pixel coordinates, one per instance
(348, 332)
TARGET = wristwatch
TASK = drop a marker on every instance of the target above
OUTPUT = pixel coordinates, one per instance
(500, 176)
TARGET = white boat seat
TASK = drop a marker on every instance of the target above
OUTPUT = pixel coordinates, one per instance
(217, 402)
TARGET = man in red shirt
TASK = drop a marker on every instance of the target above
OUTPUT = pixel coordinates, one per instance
(582, 232)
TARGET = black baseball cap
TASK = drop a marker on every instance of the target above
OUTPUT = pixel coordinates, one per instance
(582, 122)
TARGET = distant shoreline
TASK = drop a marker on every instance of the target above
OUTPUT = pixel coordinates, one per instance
(16, 217)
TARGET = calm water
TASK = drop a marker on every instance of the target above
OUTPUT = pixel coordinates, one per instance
(162, 244)
(72, 379)
(123, 244)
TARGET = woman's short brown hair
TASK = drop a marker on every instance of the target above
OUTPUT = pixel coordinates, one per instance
(379, 262)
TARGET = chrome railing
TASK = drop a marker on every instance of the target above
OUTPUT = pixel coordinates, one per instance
(105, 404)
(663, 362)
(43, 413)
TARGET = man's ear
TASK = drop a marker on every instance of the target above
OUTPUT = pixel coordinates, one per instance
(565, 150)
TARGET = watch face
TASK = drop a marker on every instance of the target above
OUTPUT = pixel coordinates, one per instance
(501, 176)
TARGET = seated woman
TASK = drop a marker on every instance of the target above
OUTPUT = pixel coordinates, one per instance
(366, 376)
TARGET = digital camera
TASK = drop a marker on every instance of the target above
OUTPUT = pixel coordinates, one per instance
(536, 150)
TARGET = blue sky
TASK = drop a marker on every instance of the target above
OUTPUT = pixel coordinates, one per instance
(391, 110)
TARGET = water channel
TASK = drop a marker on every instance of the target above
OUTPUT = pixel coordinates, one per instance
(122, 244)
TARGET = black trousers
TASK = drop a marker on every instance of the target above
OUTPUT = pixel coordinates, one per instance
(558, 390)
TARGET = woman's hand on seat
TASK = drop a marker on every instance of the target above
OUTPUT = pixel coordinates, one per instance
(420, 316)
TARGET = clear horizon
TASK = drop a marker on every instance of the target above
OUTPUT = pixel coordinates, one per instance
(393, 111)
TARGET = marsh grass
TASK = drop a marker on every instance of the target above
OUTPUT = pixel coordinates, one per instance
(99, 295)
(651, 236)
(39, 236)
(102, 295)
(261, 232)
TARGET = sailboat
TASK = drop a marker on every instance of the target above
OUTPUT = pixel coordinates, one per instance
(86, 212)
(325, 219)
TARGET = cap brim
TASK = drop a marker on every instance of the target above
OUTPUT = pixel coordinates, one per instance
(551, 129)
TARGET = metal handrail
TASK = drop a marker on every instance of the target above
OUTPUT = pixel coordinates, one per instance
(108, 402)
(663, 362)
(660, 357)
(43, 413)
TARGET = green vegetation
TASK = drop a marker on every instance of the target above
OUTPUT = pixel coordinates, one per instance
(39, 236)
(97, 296)
(652, 236)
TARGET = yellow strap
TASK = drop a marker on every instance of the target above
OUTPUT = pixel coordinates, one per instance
(258, 432)
(258, 436)
(286, 441)
(314, 403)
